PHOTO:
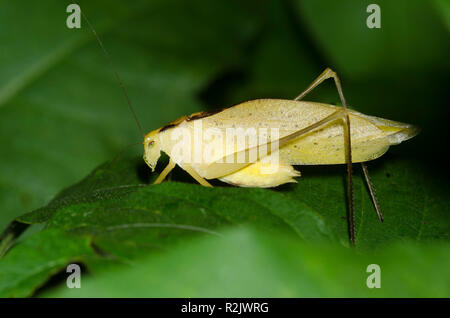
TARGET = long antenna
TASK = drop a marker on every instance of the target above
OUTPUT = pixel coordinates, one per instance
(115, 73)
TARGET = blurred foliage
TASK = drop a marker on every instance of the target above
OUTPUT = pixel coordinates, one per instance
(245, 263)
(62, 114)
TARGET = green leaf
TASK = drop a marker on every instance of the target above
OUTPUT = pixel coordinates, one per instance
(127, 218)
(414, 204)
(245, 263)
(127, 215)
(443, 9)
(118, 193)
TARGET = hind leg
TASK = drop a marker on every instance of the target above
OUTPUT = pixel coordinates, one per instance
(329, 73)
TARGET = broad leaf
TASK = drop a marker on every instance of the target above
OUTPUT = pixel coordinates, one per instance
(126, 217)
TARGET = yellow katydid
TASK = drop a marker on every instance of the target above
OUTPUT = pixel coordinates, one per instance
(307, 134)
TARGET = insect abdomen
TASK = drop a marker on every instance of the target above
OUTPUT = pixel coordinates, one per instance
(262, 175)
